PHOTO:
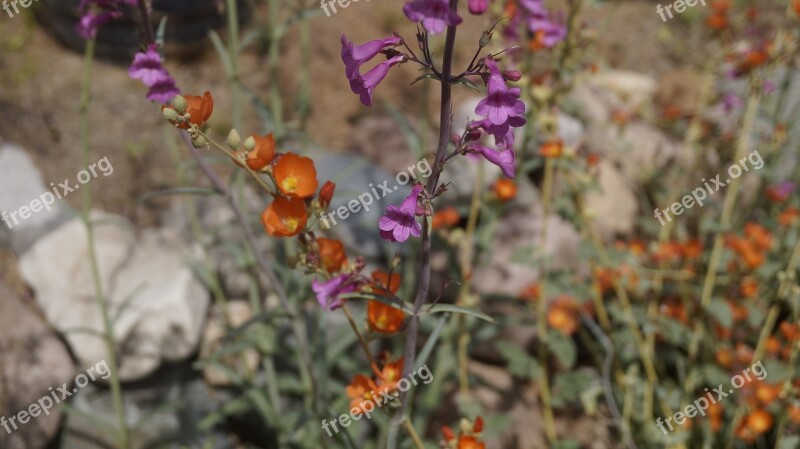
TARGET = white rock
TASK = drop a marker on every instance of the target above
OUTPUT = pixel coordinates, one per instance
(20, 184)
(613, 208)
(159, 303)
(634, 89)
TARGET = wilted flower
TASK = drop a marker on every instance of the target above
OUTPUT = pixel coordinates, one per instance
(326, 194)
(435, 15)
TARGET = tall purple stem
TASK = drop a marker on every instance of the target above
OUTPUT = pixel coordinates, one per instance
(445, 119)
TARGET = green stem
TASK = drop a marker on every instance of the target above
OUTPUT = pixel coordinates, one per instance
(276, 103)
(114, 381)
(233, 53)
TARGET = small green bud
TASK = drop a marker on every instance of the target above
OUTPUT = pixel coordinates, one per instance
(170, 114)
(486, 37)
(249, 143)
(180, 104)
(233, 140)
(199, 141)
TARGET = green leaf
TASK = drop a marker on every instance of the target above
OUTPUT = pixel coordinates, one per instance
(563, 348)
(422, 77)
(719, 310)
(520, 363)
(452, 308)
(790, 442)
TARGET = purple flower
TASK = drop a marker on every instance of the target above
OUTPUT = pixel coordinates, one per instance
(354, 56)
(478, 7)
(364, 85)
(95, 13)
(435, 15)
(781, 191)
(768, 87)
(329, 292)
(731, 102)
(163, 89)
(502, 102)
(400, 222)
(148, 67)
(505, 159)
(548, 32)
(503, 134)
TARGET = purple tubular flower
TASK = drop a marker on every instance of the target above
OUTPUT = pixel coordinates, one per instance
(502, 102)
(354, 56)
(435, 15)
(95, 13)
(505, 159)
(503, 134)
(400, 222)
(478, 7)
(364, 85)
(329, 292)
(540, 22)
(730, 102)
(163, 89)
(148, 67)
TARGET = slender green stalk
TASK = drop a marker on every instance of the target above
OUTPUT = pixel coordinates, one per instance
(275, 102)
(233, 54)
(108, 328)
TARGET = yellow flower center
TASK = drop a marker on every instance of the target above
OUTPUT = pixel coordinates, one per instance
(382, 321)
(289, 184)
(291, 224)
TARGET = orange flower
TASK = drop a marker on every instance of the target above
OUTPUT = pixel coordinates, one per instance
(790, 331)
(796, 7)
(505, 189)
(470, 442)
(717, 22)
(262, 153)
(692, 249)
(744, 353)
(296, 176)
(326, 194)
(749, 287)
(448, 434)
(198, 108)
(552, 148)
(530, 292)
(766, 394)
(715, 414)
(390, 375)
(332, 254)
(386, 282)
(724, 357)
(773, 345)
(794, 410)
(758, 235)
(756, 423)
(384, 318)
(738, 311)
(537, 42)
(563, 315)
(284, 217)
(361, 390)
(445, 218)
(789, 215)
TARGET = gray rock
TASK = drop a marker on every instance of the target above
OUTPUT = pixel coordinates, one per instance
(21, 185)
(158, 303)
(32, 360)
(613, 208)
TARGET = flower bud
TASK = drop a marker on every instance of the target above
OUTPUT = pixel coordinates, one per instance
(233, 140)
(199, 141)
(465, 426)
(485, 39)
(170, 114)
(180, 104)
(512, 75)
(249, 143)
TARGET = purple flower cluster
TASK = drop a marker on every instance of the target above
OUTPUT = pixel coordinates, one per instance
(502, 111)
(434, 15)
(354, 56)
(95, 13)
(148, 67)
